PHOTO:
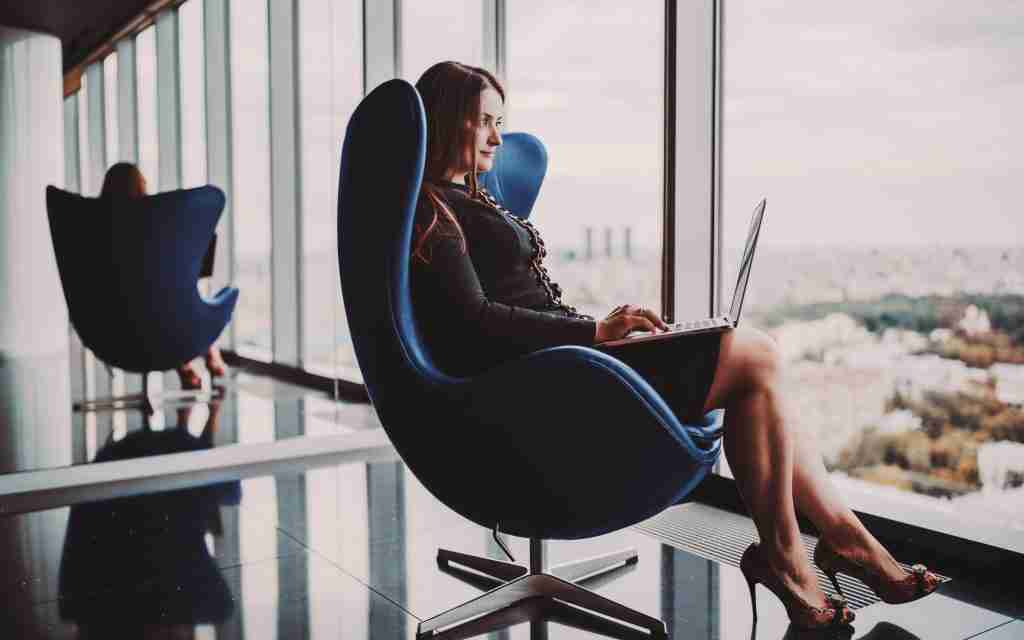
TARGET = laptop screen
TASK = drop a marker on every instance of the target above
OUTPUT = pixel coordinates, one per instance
(748, 259)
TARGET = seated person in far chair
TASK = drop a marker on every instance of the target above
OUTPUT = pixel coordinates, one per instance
(483, 296)
(124, 180)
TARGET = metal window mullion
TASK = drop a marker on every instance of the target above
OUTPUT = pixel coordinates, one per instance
(285, 169)
(96, 164)
(496, 38)
(128, 144)
(692, 181)
(219, 167)
(127, 102)
(168, 100)
(103, 382)
(381, 41)
(76, 350)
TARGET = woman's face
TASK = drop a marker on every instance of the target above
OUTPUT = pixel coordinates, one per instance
(487, 136)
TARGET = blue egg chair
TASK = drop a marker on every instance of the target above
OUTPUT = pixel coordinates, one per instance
(563, 443)
(129, 271)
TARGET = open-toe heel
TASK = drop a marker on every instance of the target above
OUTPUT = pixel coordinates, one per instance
(916, 584)
(801, 613)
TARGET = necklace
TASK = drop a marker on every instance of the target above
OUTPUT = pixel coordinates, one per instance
(554, 292)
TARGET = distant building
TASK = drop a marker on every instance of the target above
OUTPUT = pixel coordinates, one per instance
(975, 321)
(1009, 382)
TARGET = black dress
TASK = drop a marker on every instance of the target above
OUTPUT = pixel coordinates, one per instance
(491, 299)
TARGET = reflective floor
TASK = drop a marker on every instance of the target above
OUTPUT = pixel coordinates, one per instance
(349, 551)
(39, 429)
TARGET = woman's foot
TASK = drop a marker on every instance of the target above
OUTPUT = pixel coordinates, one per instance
(215, 362)
(854, 551)
(790, 577)
(189, 377)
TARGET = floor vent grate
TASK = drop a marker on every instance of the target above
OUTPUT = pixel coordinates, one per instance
(721, 536)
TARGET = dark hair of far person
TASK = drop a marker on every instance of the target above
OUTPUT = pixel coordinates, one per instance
(451, 98)
(123, 180)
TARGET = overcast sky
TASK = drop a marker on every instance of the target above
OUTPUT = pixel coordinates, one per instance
(875, 122)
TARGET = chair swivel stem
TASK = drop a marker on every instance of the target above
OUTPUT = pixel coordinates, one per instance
(501, 544)
(537, 553)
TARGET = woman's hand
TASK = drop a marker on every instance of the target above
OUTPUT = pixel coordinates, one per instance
(627, 318)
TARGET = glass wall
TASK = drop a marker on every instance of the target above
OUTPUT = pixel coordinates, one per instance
(437, 31)
(599, 112)
(110, 107)
(193, 102)
(330, 85)
(887, 140)
(250, 87)
(145, 82)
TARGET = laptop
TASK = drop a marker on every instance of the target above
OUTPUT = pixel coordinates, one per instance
(708, 325)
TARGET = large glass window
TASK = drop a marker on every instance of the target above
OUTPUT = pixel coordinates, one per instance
(193, 102)
(145, 82)
(592, 91)
(436, 31)
(887, 140)
(250, 77)
(330, 81)
(110, 107)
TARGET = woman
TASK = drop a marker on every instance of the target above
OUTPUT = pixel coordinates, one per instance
(124, 180)
(483, 296)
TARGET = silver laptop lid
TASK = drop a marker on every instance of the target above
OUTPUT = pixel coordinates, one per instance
(748, 259)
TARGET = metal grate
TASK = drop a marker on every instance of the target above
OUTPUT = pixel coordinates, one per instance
(722, 536)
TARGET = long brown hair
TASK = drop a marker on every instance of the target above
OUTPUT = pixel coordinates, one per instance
(123, 180)
(451, 98)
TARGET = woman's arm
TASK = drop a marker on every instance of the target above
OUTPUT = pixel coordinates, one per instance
(452, 274)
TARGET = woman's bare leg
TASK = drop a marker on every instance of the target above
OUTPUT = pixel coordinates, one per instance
(765, 452)
(762, 453)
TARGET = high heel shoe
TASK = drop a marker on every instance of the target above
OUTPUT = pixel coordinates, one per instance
(801, 613)
(916, 584)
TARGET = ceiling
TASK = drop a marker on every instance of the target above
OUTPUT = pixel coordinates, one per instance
(81, 25)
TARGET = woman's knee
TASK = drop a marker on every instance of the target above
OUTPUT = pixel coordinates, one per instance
(749, 360)
(764, 360)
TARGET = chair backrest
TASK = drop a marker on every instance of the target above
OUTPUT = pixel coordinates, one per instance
(519, 169)
(382, 164)
(129, 270)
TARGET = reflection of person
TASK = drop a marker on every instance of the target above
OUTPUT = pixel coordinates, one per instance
(482, 295)
(148, 553)
(124, 180)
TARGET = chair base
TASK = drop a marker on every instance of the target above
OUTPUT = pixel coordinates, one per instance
(516, 584)
(149, 401)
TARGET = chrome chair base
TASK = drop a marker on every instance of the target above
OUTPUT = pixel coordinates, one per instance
(149, 401)
(559, 583)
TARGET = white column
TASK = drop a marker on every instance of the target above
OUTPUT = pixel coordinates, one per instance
(35, 387)
(33, 316)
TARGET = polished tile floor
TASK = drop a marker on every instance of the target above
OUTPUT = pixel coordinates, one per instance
(40, 431)
(349, 551)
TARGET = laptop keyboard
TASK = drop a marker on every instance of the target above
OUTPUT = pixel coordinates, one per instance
(697, 324)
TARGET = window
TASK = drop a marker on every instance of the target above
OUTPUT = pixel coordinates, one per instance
(110, 107)
(193, 102)
(891, 266)
(145, 81)
(599, 113)
(250, 77)
(330, 82)
(436, 31)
